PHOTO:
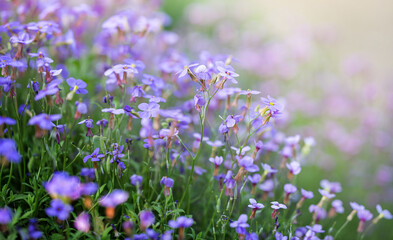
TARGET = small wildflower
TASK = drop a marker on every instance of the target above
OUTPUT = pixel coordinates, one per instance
(59, 209)
(168, 183)
(82, 222)
(255, 207)
(146, 218)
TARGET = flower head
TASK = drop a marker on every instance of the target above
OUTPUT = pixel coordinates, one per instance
(181, 222)
(82, 222)
(59, 209)
(95, 156)
(116, 197)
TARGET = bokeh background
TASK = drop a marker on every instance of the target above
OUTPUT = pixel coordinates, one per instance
(330, 62)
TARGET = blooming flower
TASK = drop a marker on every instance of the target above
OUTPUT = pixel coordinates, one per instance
(305, 195)
(59, 209)
(240, 224)
(149, 110)
(76, 85)
(168, 183)
(255, 207)
(146, 218)
(111, 200)
(294, 168)
(8, 151)
(33, 230)
(364, 215)
(199, 101)
(217, 160)
(181, 223)
(63, 186)
(254, 179)
(5, 216)
(136, 180)
(246, 165)
(276, 206)
(82, 222)
(88, 172)
(289, 189)
(43, 123)
(95, 156)
(230, 122)
(89, 125)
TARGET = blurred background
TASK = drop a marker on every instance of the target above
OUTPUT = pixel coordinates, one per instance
(330, 62)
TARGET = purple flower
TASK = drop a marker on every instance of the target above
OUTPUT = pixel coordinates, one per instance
(248, 163)
(7, 121)
(149, 110)
(356, 207)
(146, 218)
(240, 224)
(294, 167)
(116, 197)
(95, 156)
(230, 122)
(289, 188)
(33, 229)
(61, 185)
(59, 209)
(41, 60)
(384, 213)
(254, 179)
(331, 187)
(318, 212)
(338, 206)
(44, 121)
(8, 151)
(50, 89)
(215, 144)
(326, 194)
(226, 71)
(89, 125)
(168, 183)
(276, 205)
(280, 236)
(181, 222)
(268, 169)
(364, 215)
(77, 85)
(217, 160)
(82, 222)
(272, 104)
(136, 180)
(255, 207)
(199, 101)
(307, 194)
(5, 216)
(88, 172)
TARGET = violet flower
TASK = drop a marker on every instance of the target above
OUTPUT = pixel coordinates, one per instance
(146, 219)
(294, 169)
(168, 183)
(95, 156)
(217, 162)
(305, 195)
(77, 86)
(254, 179)
(289, 189)
(63, 186)
(240, 224)
(199, 101)
(113, 112)
(337, 207)
(89, 125)
(111, 200)
(59, 209)
(255, 207)
(230, 122)
(82, 222)
(246, 165)
(276, 206)
(5, 216)
(8, 151)
(43, 123)
(136, 180)
(33, 229)
(364, 215)
(149, 110)
(181, 223)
